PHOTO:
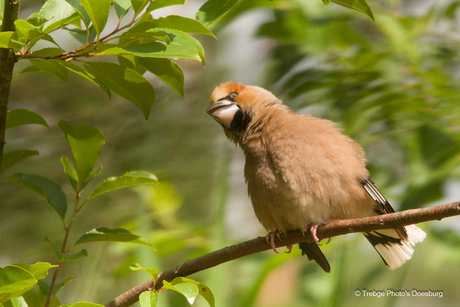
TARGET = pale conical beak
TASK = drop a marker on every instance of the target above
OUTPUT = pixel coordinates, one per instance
(223, 111)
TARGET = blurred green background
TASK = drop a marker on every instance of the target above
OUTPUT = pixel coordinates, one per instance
(392, 84)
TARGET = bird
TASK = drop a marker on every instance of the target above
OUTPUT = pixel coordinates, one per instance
(302, 171)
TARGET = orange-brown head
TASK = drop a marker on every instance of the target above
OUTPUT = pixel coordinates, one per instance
(237, 106)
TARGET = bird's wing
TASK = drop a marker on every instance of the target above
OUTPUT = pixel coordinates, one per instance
(382, 204)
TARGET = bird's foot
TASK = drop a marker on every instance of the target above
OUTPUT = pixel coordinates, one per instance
(271, 239)
(289, 247)
(313, 227)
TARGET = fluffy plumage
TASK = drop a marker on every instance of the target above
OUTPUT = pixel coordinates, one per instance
(302, 170)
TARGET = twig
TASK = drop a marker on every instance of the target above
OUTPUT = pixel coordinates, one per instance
(63, 249)
(332, 229)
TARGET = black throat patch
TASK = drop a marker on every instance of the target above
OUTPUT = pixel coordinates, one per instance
(240, 121)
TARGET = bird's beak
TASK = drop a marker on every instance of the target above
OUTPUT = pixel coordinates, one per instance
(223, 111)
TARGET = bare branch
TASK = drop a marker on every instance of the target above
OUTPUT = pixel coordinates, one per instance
(332, 229)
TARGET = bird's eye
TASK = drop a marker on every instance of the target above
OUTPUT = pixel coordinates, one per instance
(232, 95)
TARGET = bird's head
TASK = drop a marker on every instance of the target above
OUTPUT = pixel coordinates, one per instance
(238, 107)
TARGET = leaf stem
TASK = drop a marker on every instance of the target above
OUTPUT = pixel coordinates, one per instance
(67, 229)
(76, 209)
(53, 282)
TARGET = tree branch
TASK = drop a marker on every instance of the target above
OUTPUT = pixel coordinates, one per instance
(7, 61)
(332, 229)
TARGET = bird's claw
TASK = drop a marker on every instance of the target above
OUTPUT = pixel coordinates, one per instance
(313, 228)
(270, 237)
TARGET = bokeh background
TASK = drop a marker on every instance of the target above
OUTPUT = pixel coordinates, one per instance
(392, 84)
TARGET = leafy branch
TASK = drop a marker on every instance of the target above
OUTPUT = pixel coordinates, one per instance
(142, 44)
(85, 143)
(329, 230)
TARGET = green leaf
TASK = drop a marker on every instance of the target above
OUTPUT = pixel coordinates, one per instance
(189, 290)
(76, 4)
(121, 7)
(158, 4)
(57, 13)
(19, 117)
(14, 281)
(167, 71)
(30, 34)
(86, 144)
(148, 298)
(82, 35)
(75, 256)
(127, 180)
(205, 292)
(359, 5)
(31, 70)
(139, 5)
(5, 39)
(181, 45)
(12, 158)
(98, 12)
(125, 82)
(52, 67)
(94, 172)
(27, 33)
(47, 188)
(64, 257)
(45, 285)
(183, 24)
(213, 10)
(49, 52)
(42, 36)
(18, 302)
(131, 61)
(152, 271)
(36, 20)
(36, 297)
(80, 71)
(141, 37)
(24, 29)
(104, 234)
(39, 270)
(71, 173)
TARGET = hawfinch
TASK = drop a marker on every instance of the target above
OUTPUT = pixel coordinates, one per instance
(302, 171)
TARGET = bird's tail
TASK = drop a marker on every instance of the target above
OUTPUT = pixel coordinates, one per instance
(395, 245)
(313, 252)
